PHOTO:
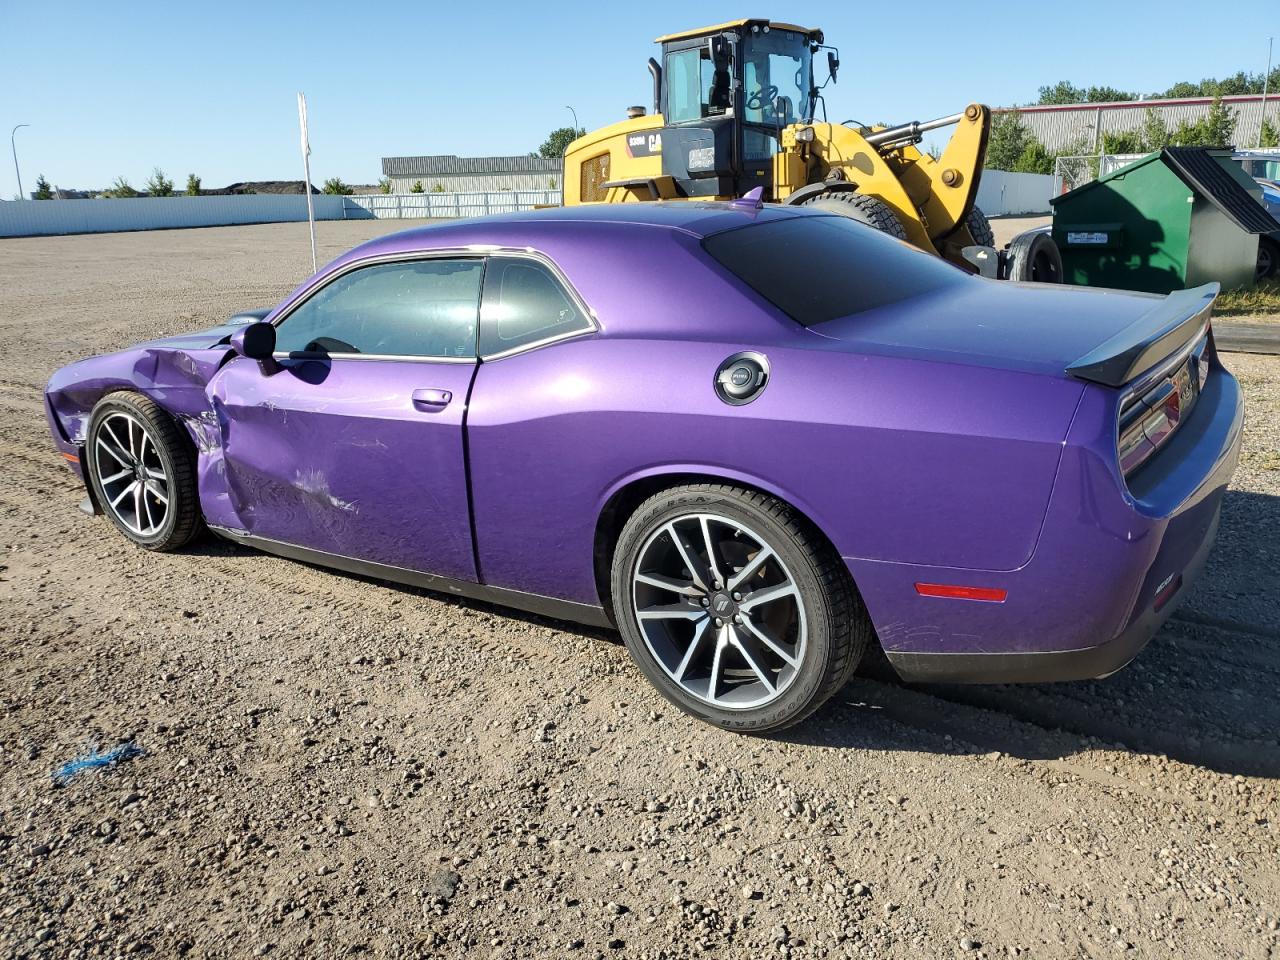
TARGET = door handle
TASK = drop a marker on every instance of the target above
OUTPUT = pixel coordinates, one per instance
(431, 397)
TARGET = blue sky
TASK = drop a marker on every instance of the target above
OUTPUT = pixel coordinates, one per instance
(117, 89)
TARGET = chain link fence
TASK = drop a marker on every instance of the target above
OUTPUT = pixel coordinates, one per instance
(1075, 171)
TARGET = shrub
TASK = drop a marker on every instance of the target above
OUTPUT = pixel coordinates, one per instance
(119, 189)
(158, 185)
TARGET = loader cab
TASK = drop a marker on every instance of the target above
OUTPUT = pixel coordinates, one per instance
(725, 94)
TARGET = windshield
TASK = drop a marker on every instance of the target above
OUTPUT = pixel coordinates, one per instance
(775, 83)
(776, 64)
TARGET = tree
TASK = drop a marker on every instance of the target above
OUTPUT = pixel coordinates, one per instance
(158, 185)
(119, 189)
(193, 185)
(334, 185)
(384, 185)
(43, 190)
(1155, 135)
(1035, 158)
(1064, 91)
(1108, 95)
(1270, 135)
(1215, 129)
(417, 187)
(1009, 138)
(558, 141)
(1123, 141)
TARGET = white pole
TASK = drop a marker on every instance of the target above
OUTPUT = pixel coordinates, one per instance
(1266, 86)
(306, 169)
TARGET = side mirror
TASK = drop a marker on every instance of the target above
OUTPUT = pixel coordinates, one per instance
(257, 341)
(833, 64)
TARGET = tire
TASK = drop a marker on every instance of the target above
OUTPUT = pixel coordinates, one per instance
(668, 621)
(979, 228)
(1268, 258)
(862, 207)
(1034, 257)
(142, 468)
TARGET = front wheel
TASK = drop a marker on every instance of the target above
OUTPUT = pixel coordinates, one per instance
(142, 469)
(735, 608)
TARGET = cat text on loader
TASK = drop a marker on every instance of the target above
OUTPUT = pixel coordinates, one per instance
(734, 109)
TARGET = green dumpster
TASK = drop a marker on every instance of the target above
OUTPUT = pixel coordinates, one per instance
(1177, 218)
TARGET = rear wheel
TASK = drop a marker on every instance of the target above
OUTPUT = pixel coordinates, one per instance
(1268, 258)
(735, 608)
(142, 469)
(862, 207)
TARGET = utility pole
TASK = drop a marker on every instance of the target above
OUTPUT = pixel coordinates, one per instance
(14, 146)
(1266, 88)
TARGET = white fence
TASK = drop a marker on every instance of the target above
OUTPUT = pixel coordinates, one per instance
(29, 218)
(26, 218)
(1003, 194)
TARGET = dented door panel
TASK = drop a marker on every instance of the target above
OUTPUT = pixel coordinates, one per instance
(336, 455)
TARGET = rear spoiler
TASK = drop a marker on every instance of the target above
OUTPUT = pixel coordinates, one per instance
(1168, 326)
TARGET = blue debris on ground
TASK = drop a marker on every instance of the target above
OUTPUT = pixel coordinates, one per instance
(92, 759)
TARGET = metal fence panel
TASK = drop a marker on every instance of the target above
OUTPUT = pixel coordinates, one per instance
(419, 206)
(1001, 193)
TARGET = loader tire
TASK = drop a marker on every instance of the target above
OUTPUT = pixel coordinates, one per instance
(862, 207)
(979, 228)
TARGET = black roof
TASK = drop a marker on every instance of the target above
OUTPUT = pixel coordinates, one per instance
(1200, 170)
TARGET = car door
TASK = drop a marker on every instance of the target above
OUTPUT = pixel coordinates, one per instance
(353, 446)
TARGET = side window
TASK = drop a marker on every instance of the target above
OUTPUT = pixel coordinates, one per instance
(695, 88)
(417, 308)
(524, 303)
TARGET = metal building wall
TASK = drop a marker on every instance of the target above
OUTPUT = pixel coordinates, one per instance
(1071, 127)
(479, 183)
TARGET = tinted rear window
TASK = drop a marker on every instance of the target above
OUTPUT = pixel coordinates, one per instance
(818, 268)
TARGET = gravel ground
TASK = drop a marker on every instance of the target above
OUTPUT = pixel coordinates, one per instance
(335, 765)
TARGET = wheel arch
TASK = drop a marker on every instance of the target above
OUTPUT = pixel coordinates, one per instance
(622, 499)
(809, 191)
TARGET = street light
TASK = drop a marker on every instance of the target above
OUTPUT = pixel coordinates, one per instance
(14, 147)
(576, 128)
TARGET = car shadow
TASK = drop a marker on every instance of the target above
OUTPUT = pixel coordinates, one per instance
(211, 545)
(1205, 691)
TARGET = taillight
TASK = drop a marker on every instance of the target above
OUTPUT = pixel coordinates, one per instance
(1152, 413)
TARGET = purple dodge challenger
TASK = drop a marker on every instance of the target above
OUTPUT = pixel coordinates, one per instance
(756, 440)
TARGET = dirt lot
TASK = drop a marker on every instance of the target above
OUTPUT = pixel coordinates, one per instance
(339, 766)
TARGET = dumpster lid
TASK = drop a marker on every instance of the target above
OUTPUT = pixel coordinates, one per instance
(1200, 170)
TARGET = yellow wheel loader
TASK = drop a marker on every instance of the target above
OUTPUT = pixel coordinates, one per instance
(733, 110)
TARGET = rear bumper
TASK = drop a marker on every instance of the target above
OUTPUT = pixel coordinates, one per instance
(1111, 566)
(1087, 663)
